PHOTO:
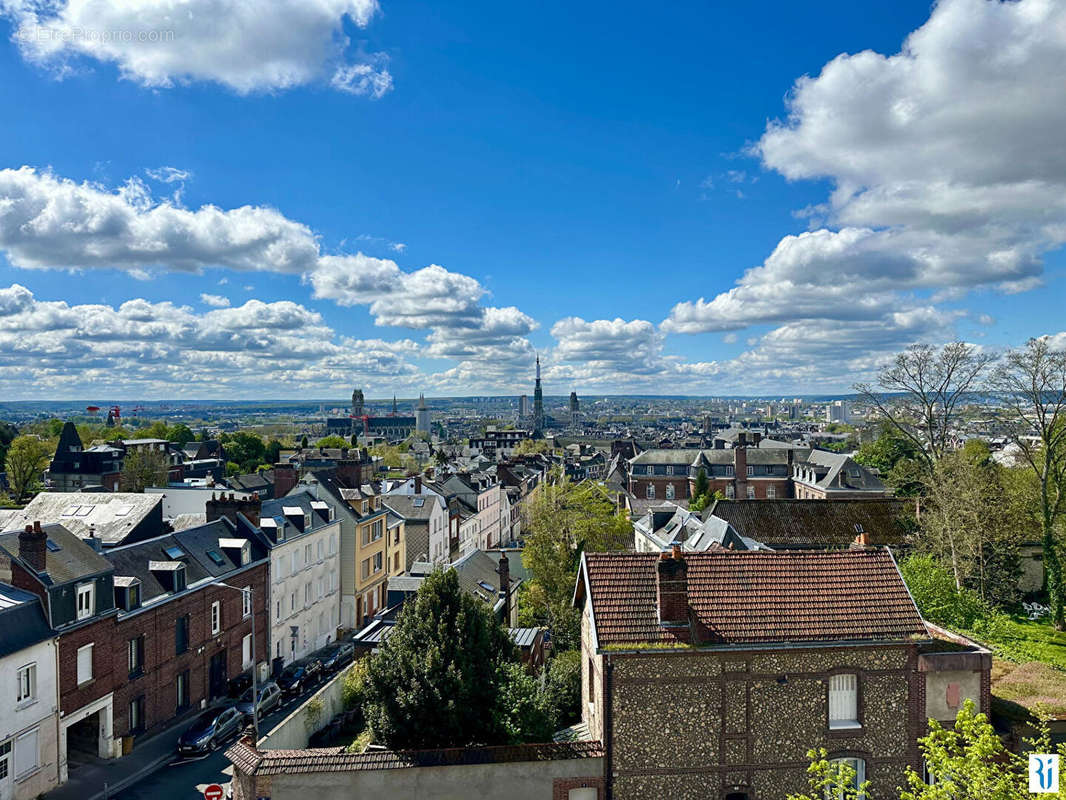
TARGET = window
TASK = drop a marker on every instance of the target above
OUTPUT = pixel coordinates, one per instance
(751, 492)
(5, 752)
(246, 651)
(729, 470)
(85, 664)
(669, 469)
(332, 539)
(730, 492)
(135, 656)
(181, 635)
(295, 561)
(27, 684)
(216, 618)
(771, 492)
(377, 562)
(321, 587)
(85, 600)
(137, 714)
(320, 549)
(182, 685)
(592, 684)
(174, 552)
(855, 768)
(277, 610)
(307, 554)
(27, 752)
(844, 701)
(246, 602)
(395, 562)
(292, 602)
(669, 491)
(650, 493)
(583, 793)
(751, 470)
(307, 594)
(365, 567)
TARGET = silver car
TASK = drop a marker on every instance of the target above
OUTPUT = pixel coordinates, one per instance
(269, 699)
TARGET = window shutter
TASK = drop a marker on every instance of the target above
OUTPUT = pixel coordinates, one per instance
(26, 752)
(843, 699)
(85, 663)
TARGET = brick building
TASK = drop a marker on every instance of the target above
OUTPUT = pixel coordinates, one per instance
(748, 659)
(766, 470)
(178, 638)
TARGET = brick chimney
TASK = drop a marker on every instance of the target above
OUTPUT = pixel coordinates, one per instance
(285, 479)
(672, 581)
(740, 470)
(418, 484)
(862, 541)
(229, 506)
(33, 546)
(505, 587)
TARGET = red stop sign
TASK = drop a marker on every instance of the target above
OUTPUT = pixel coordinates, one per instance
(213, 792)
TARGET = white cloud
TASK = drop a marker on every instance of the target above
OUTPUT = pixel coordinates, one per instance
(214, 300)
(168, 174)
(256, 349)
(944, 176)
(240, 45)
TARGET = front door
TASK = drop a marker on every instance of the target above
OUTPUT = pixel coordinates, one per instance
(217, 679)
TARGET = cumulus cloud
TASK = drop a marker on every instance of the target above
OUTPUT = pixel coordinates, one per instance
(215, 300)
(228, 42)
(265, 349)
(944, 176)
(633, 347)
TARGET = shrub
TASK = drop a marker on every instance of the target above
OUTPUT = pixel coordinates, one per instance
(933, 589)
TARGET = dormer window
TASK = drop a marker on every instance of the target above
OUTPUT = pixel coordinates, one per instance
(86, 604)
(127, 593)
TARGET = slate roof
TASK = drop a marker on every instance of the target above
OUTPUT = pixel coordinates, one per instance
(22, 621)
(754, 598)
(689, 457)
(72, 561)
(792, 524)
(335, 759)
(112, 514)
(836, 471)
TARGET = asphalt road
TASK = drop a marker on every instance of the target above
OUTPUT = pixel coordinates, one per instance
(179, 780)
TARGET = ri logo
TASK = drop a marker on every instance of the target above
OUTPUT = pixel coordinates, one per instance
(1043, 773)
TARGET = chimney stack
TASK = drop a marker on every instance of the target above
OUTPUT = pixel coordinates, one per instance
(229, 506)
(33, 546)
(505, 587)
(418, 484)
(861, 541)
(672, 580)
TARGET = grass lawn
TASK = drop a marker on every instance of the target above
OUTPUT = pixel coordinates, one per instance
(1022, 640)
(1029, 685)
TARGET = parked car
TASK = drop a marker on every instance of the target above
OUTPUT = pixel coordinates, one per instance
(239, 685)
(269, 699)
(210, 730)
(337, 655)
(300, 675)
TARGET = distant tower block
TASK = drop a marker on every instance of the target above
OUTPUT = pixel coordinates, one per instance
(538, 402)
(357, 403)
(523, 406)
(422, 420)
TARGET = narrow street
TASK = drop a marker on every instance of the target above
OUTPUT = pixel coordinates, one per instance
(180, 779)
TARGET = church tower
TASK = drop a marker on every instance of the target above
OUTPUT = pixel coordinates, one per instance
(538, 402)
(357, 403)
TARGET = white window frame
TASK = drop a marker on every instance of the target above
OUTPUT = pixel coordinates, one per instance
(670, 491)
(246, 602)
(88, 591)
(216, 618)
(246, 651)
(844, 701)
(856, 763)
(85, 651)
(649, 492)
(26, 692)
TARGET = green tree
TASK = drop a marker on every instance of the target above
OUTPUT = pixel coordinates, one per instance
(27, 458)
(273, 452)
(244, 449)
(332, 441)
(303, 442)
(562, 687)
(831, 779)
(701, 483)
(921, 392)
(1030, 383)
(8, 433)
(143, 468)
(561, 521)
(530, 447)
(525, 713)
(181, 434)
(436, 681)
(933, 588)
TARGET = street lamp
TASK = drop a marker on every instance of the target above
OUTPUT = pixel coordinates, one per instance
(255, 682)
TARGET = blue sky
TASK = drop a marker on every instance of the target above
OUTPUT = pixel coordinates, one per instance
(592, 179)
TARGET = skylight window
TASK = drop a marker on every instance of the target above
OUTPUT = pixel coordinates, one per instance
(486, 586)
(216, 556)
(52, 546)
(174, 552)
(83, 511)
(418, 502)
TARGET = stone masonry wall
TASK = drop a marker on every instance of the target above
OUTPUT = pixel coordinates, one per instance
(702, 724)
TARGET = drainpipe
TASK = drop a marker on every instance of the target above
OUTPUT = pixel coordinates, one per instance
(608, 728)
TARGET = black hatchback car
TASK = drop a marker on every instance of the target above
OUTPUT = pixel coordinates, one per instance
(210, 730)
(337, 655)
(300, 675)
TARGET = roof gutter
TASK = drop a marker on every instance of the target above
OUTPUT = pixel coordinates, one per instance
(760, 646)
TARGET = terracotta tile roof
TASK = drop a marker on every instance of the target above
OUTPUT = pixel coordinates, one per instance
(757, 597)
(334, 759)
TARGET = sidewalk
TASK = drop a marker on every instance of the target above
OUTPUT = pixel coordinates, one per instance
(88, 781)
